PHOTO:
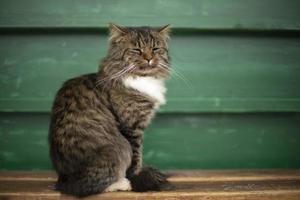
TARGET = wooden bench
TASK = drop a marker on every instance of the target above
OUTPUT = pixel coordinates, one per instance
(187, 185)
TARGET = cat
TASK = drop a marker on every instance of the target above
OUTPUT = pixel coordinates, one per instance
(98, 119)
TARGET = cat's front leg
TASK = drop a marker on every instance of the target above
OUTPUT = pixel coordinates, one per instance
(135, 139)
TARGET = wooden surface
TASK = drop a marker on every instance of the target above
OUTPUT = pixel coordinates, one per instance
(187, 185)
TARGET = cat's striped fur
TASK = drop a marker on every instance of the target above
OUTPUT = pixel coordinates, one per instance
(97, 124)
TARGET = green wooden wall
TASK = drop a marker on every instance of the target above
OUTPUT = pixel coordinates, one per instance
(238, 107)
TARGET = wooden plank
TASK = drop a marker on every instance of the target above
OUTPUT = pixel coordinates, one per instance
(206, 141)
(196, 175)
(224, 72)
(204, 14)
(233, 184)
(265, 195)
(225, 175)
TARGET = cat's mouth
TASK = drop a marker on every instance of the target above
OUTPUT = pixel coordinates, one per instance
(154, 69)
(148, 65)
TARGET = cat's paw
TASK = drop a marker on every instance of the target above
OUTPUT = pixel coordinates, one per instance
(121, 185)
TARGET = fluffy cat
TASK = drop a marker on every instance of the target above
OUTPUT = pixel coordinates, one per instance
(97, 122)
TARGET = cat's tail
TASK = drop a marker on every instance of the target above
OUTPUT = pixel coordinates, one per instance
(149, 179)
(81, 186)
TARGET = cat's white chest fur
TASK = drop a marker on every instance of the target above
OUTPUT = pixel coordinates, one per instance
(150, 86)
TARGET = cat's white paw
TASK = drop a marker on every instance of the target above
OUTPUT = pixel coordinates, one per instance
(121, 185)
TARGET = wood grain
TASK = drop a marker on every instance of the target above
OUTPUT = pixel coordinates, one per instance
(187, 185)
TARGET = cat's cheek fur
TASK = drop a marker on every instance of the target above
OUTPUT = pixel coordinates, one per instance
(153, 87)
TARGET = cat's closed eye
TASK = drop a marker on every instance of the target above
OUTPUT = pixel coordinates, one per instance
(158, 50)
(136, 50)
(155, 49)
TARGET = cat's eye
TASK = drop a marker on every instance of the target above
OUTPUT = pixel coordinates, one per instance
(136, 50)
(158, 50)
(155, 49)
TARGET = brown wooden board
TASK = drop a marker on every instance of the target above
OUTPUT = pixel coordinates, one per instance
(196, 184)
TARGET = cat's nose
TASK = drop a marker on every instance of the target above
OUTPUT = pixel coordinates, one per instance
(147, 57)
(150, 62)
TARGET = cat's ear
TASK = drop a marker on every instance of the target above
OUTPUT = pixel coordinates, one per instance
(165, 31)
(116, 31)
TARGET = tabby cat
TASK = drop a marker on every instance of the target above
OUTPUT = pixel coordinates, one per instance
(97, 122)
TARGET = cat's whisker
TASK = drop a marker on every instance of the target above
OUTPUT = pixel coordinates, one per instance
(98, 83)
(181, 76)
(115, 77)
(127, 70)
(164, 65)
(117, 74)
(130, 68)
(178, 74)
(167, 70)
(121, 72)
(124, 72)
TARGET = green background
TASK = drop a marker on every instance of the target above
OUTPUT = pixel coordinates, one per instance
(238, 107)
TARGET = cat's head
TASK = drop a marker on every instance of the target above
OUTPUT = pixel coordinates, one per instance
(138, 51)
